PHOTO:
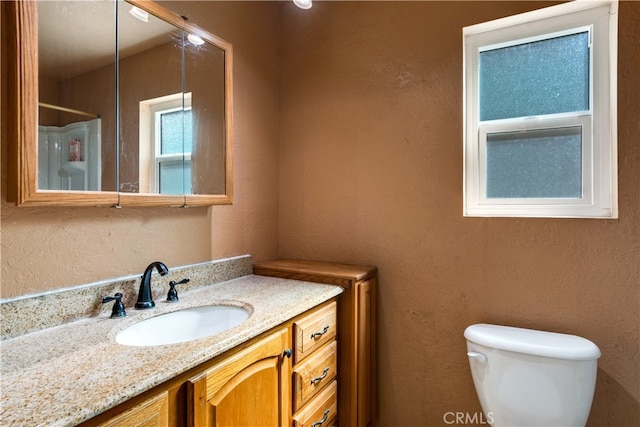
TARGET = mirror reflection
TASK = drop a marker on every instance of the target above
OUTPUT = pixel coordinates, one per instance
(163, 130)
(151, 104)
(77, 96)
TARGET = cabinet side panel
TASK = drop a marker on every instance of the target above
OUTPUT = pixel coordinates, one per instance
(366, 352)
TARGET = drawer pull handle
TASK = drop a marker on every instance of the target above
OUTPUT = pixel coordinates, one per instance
(321, 377)
(321, 333)
(323, 420)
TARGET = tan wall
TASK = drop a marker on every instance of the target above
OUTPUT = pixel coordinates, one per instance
(50, 248)
(371, 172)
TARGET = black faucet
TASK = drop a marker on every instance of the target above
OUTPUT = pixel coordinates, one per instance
(145, 299)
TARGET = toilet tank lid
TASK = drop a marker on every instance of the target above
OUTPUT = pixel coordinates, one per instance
(529, 341)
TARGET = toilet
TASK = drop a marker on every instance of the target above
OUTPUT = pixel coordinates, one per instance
(525, 377)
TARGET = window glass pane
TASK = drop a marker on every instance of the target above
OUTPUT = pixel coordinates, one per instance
(171, 175)
(537, 163)
(171, 130)
(543, 77)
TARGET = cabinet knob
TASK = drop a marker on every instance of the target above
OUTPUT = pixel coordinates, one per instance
(288, 353)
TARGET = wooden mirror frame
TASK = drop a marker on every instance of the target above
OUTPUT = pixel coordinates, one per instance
(22, 118)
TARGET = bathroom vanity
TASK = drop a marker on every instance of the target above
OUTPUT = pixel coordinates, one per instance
(297, 360)
(250, 384)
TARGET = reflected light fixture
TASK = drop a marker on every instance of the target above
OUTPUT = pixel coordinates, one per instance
(303, 4)
(196, 40)
(139, 14)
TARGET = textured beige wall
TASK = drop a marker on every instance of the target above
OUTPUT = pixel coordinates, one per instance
(50, 248)
(371, 172)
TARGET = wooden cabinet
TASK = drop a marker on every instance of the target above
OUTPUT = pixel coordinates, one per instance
(356, 338)
(250, 388)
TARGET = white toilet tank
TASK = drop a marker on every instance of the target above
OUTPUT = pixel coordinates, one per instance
(525, 377)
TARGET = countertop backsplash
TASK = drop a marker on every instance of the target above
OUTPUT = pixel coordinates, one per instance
(31, 313)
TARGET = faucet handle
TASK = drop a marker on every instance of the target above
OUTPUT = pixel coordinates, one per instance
(172, 296)
(118, 307)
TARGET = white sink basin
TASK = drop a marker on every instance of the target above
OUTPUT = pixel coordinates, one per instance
(181, 326)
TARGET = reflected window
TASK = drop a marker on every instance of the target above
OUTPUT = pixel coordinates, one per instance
(166, 127)
(172, 150)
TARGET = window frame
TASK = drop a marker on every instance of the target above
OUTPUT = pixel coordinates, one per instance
(150, 158)
(599, 142)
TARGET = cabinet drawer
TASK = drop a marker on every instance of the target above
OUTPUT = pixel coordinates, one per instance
(314, 373)
(321, 411)
(153, 412)
(314, 330)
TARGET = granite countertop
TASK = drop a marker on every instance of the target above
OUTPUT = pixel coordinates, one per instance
(67, 374)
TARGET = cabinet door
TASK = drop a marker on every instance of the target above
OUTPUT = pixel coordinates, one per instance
(250, 388)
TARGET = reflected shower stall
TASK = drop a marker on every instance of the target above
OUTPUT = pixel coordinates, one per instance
(69, 157)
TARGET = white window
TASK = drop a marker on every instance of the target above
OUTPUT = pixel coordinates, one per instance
(165, 144)
(540, 113)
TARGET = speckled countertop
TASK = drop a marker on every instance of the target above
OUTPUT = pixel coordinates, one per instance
(64, 375)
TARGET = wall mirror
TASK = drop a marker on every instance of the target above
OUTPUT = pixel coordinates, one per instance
(118, 103)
